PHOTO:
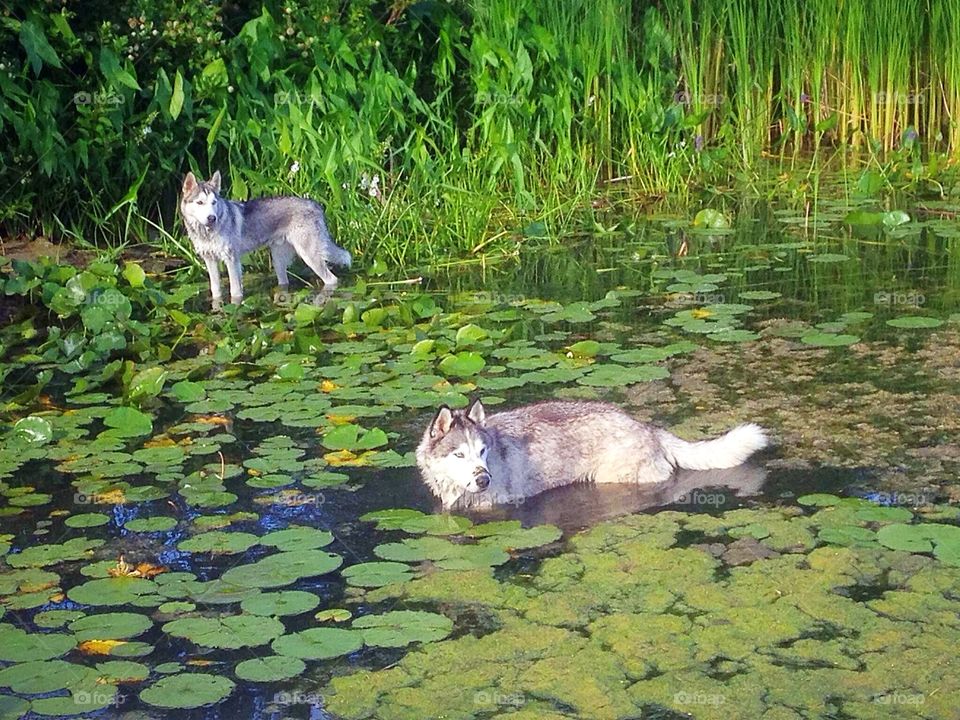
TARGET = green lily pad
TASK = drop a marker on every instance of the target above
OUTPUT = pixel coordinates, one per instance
(821, 339)
(19, 646)
(231, 631)
(110, 626)
(914, 322)
(35, 429)
(403, 627)
(289, 602)
(270, 669)
(219, 542)
(41, 555)
(297, 538)
(910, 538)
(85, 520)
(353, 437)
(284, 568)
(187, 690)
(128, 422)
(462, 364)
(318, 643)
(116, 591)
(377, 574)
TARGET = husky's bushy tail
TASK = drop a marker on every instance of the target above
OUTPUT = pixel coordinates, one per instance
(727, 451)
(339, 256)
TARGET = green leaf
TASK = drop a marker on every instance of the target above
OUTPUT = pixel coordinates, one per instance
(402, 627)
(915, 322)
(463, 364)
(134, 274)
(176, 99)
(128, 422)
(187, 690)
(226, 632)
(115, 74)
(39, 51)
(34, 429)
(821, 339)
(288, 602)
(470, 335)
(147, 383)
(318, 643)
(711, 219)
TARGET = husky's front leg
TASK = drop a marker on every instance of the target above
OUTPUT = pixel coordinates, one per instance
(213, 270)
(235, 271)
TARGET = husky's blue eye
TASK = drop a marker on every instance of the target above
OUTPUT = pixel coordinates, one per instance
(458, 454)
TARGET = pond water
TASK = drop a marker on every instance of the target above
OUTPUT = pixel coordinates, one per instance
(231, 526)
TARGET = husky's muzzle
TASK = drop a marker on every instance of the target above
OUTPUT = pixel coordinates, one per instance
(211, 220)
(482, 478)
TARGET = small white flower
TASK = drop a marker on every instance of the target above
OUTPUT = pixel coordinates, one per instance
(295, 168)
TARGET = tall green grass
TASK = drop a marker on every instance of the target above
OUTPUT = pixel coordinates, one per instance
(451, 128)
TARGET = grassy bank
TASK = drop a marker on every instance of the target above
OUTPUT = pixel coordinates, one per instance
(430, 129)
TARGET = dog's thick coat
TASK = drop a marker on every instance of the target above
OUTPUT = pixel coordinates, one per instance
(470, 459)
(225, 230)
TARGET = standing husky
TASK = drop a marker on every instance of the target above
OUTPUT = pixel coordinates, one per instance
(515, 454)
(224, 230)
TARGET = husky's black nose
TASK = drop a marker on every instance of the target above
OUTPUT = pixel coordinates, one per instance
(482, 478)
(211, 219)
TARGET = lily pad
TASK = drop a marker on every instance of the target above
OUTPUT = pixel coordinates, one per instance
(915, 322)
(821, 339)
(187, 690)
(403, 627)
(230, 631)
(289, 602)
(297, 538)
(318, 643)
(270, 669)
(219, 542)
(377, 574)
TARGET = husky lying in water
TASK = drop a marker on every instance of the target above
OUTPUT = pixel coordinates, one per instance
(515, 454)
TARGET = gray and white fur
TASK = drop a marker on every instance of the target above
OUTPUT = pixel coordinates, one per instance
(470, 459)
(226, 230)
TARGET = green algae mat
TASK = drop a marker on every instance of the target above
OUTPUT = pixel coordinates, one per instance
(217, 515)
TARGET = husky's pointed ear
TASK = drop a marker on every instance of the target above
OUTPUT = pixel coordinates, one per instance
(442, 422)
(215, 181)
(189, 183)
(477, 413)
